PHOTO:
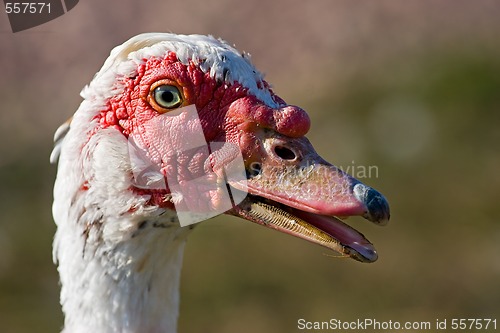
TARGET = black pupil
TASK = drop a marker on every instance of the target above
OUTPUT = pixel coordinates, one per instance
(167, 96)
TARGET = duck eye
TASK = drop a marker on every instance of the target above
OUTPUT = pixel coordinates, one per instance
(167, 96)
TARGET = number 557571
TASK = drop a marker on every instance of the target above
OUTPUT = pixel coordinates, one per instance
(473, 324)
(27, 7)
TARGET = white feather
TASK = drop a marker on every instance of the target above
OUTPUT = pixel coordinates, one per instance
(215, 56)
(111, 281)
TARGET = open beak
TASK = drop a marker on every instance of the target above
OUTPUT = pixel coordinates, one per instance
(293, 190)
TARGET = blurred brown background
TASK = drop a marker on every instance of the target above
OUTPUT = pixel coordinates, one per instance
(412, 87)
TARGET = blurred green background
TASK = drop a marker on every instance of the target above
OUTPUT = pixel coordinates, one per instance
(411, 87)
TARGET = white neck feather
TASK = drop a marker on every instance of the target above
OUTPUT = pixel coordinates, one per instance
(128, 287)
(119, 259)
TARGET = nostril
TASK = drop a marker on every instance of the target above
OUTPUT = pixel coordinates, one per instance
(284, 153)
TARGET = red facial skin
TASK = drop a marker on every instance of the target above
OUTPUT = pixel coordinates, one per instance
(227, 112)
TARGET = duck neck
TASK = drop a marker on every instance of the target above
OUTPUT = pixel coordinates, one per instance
(130, 285)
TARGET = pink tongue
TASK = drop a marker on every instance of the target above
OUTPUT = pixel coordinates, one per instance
(346, 235)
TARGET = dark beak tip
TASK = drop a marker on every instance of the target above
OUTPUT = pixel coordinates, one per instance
(377, 207)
